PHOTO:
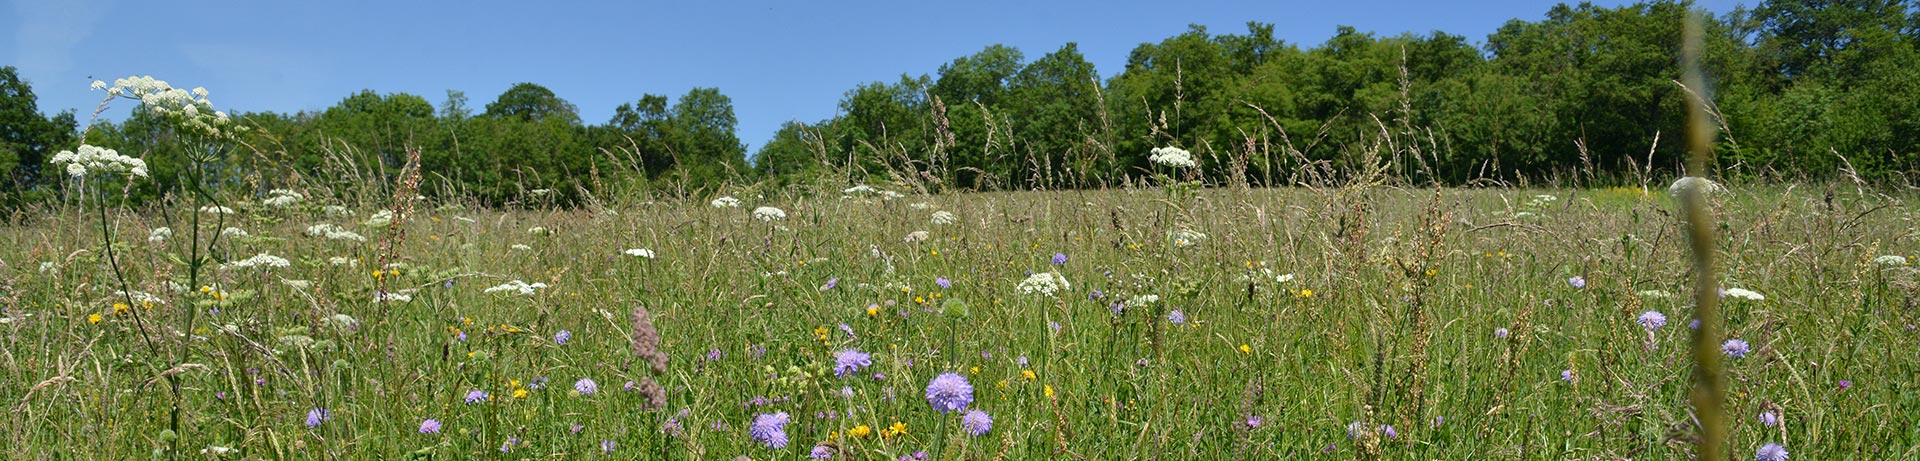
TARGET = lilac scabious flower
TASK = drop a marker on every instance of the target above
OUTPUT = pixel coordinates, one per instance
(770, 429)
(1736, 348)
(562, 337)
(943, 282)
(1769, 418)
(1500, 333)
(847, 329)
(430, 426)
(586, 386)
(1771, 452)
(1254, 421)
(1844, 384)
(1567, 375)
(1577, 281)
(821, 452)
(1695, 324)
(476, 396)
(317, 416)
(977, 422)
(537, 382)
(1059, 258)
(1386, 430)
(1653, 320)
(832, 282)
(849, 361)
(1022, 361)
(714, 355)
(1096, 294)
(949, 392)
(1176, 317)
(606, 447)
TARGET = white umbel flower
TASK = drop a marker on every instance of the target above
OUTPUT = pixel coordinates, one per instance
(639, 252)
(942, 218)
(916, 236)
(1743, 293)
(1185, 238)
(233, 233)
(1045, 284)
(282, 198)
(259, 260)
(333, 232)
(769, 214)
(726, 202)
(517, 286)
(90, 159)
(1891, 260)
(159, 235)
(1172, 157)
(1704, 185)
(216, 209)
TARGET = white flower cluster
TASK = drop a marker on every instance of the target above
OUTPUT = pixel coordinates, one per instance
(216, 209)
(98, 160)
(391, 297)
(1704, 185)
(862, 189)
(726, 202)
(1743, 293)
(332, 232)
(769, 214)
(1045, 284)
(517, 286)
(521, 247)
(190, 108)
(341, 261)
(919, 205)
(282, 198)
(233, 233)
(381, 218)
(1173, 157)
(539, 230)
(1184, 238)
(1140, 301)
(639, 252)
(336, 211)
(159, 235)
(942, 218)
(259, 260)
(1890, 260)
(916, 236)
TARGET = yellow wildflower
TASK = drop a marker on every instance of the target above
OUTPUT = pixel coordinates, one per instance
(897, 429)
(93, 318)
(1028, 375)
(1244, 349)
(860, 431)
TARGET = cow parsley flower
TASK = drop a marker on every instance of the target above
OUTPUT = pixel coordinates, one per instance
(1045, 284)
(98, 160)
(1185, 238)
(943, 217)
(769, 214)
(1173, 157)
(726, 202)
(517, 286)
(259, 260)
(282, 198)
(1743, 293)
(159, 235)
(1890, 260)
(639, 252)
(916, 236)
(333, 232)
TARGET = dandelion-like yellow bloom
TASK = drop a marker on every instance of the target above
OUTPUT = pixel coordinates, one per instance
(860, 431)
(1244, 349)
(934, 252)
(873, 311)
(119, 308)
(1048, 390)
(897, 429)
(974, 371)
(93, 318)
(1028, 375)
(820, 332)
(519, 393)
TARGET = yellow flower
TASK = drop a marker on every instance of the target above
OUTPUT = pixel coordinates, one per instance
(1303, 293)
(1001, 384)
(873, 311)
(519, 393)
(377, 273)
(1430, 272)
(919, 300)
(93, 318)
(820, 332)
(974, 371)
(1244, 349)
(934, 252)
(860, 431)
(119, 308)
(1048, 390)
(1028, 375)
(898, 428)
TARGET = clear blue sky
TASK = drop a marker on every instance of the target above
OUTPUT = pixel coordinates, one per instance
(778, 60)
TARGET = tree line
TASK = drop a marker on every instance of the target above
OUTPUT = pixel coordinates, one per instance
(1802, 89)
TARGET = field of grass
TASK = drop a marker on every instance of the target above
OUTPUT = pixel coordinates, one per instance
(1359, 323)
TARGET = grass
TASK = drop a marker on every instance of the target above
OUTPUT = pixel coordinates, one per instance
(1389, 319)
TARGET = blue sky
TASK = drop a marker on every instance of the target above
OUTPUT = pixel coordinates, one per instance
(779, 61)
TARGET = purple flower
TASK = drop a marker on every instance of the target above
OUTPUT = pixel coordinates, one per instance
(1769, 418)
(977, 422)
(537, 382)
(1844, 384)
(606, 446)
(832, 282)
(949, 392)
(1771, 452)
(1500, 333)
(943, 282)
(1176, 317)
(714, 355)
(1387, 431)
(586, 386)
(562, 337)
(770, 429)
(1096, 294)
(846, 329)
(508, 446)
(1695, 324)
(919, 455)
(317, 416)
(1735, 348)
(821, 452)
(476, 396)
(1254, 421)
(757, 351)
(1577, 281)
(430, 426)
(1054, 325)
(849, 361)
(1566, 375)
(1022, 361)
(1653, 320)
(1059, 258)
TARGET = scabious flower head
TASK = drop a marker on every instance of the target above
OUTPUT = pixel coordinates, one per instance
(1253, 421)
(943, 283)
(586, 386)
(949, 392)
(430, 426)
(821, 452)
(977, 422)
(1653, 320)
(1771, 452)
(1735, 348)
(1176, 317)
(1577, 281)
(1172, 157)
(562, 337)
(476, 396)
(1059, 258)
(1769, 418)
(1567, 375)
(849, 361)
(770, 429)
(1500, 332)
(1386, 430)
(1357, 430)
(317, 416)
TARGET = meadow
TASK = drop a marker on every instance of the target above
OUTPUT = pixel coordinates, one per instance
(1355, 322)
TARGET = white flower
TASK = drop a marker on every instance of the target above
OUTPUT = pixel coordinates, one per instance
(1704, 185)
(858, 190)
(259, 260)
(916, 236)
(1045, 284)
(332, 232)
(538, 230)
(159, 235)
(215, 450)
(380, 218)
(521, 247)
(391, 297)
(1891, 260)
(282, 198)
(726, 202)
(1654, 294)
(90, 159)
(298, 284)
(1184, 238)
(517, 286)
(942, 218)
(919, 205)
(1142, 301)
(767, 213)
(1173, 157)
(340, 261)
(1284, 278)
(233, 233)
(640, 252)
(1743, 294)
(335, 211)
(216, 209)
(341, 322)
(890, 195)
(99, 85)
